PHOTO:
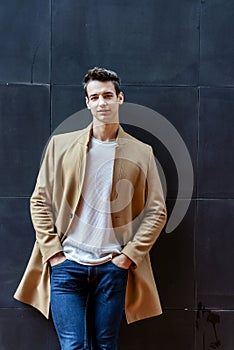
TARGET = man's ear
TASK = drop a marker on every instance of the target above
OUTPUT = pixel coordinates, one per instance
(121, 98)
(87, 102)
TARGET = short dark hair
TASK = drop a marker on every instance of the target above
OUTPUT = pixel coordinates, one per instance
(101, 74)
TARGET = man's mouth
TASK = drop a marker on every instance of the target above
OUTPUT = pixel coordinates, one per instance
(103, 110)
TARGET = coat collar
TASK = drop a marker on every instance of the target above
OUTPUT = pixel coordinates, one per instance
(86, 135)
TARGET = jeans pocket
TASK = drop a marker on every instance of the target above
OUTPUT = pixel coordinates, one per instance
(118, 267)
(58, 265)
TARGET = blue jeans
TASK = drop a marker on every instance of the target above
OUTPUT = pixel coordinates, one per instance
(87, 304)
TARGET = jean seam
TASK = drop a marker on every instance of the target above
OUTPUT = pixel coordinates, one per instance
(86, 344)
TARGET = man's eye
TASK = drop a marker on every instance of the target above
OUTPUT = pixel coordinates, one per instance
(108, 96)
(93, 98)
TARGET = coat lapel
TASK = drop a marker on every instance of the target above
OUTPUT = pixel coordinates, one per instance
(73, 170)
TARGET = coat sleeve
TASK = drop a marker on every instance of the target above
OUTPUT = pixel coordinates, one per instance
(42, 209)
(153, 219)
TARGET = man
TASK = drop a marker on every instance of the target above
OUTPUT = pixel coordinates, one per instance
(97, 209)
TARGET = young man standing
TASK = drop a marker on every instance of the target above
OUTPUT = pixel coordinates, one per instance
(97, 209)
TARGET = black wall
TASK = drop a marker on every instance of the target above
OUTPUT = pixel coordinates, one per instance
(175, 57)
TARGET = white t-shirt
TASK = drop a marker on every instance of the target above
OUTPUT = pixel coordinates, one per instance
(91, 239)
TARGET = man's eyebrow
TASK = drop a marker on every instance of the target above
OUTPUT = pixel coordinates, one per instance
(104, 93)
(92, 95)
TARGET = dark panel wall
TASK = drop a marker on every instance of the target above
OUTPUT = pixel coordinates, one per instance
(175, 57)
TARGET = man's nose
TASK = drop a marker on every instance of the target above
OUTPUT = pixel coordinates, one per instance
(101, 101)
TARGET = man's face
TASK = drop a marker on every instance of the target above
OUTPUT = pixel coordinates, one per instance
(103, 101)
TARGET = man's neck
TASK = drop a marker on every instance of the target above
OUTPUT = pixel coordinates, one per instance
(105, 132)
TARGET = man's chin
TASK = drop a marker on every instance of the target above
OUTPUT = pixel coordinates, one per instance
(104, 119)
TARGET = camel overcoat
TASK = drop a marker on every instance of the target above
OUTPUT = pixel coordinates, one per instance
(137, 207)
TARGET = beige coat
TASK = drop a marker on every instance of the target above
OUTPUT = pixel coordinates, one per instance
(137, 205)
